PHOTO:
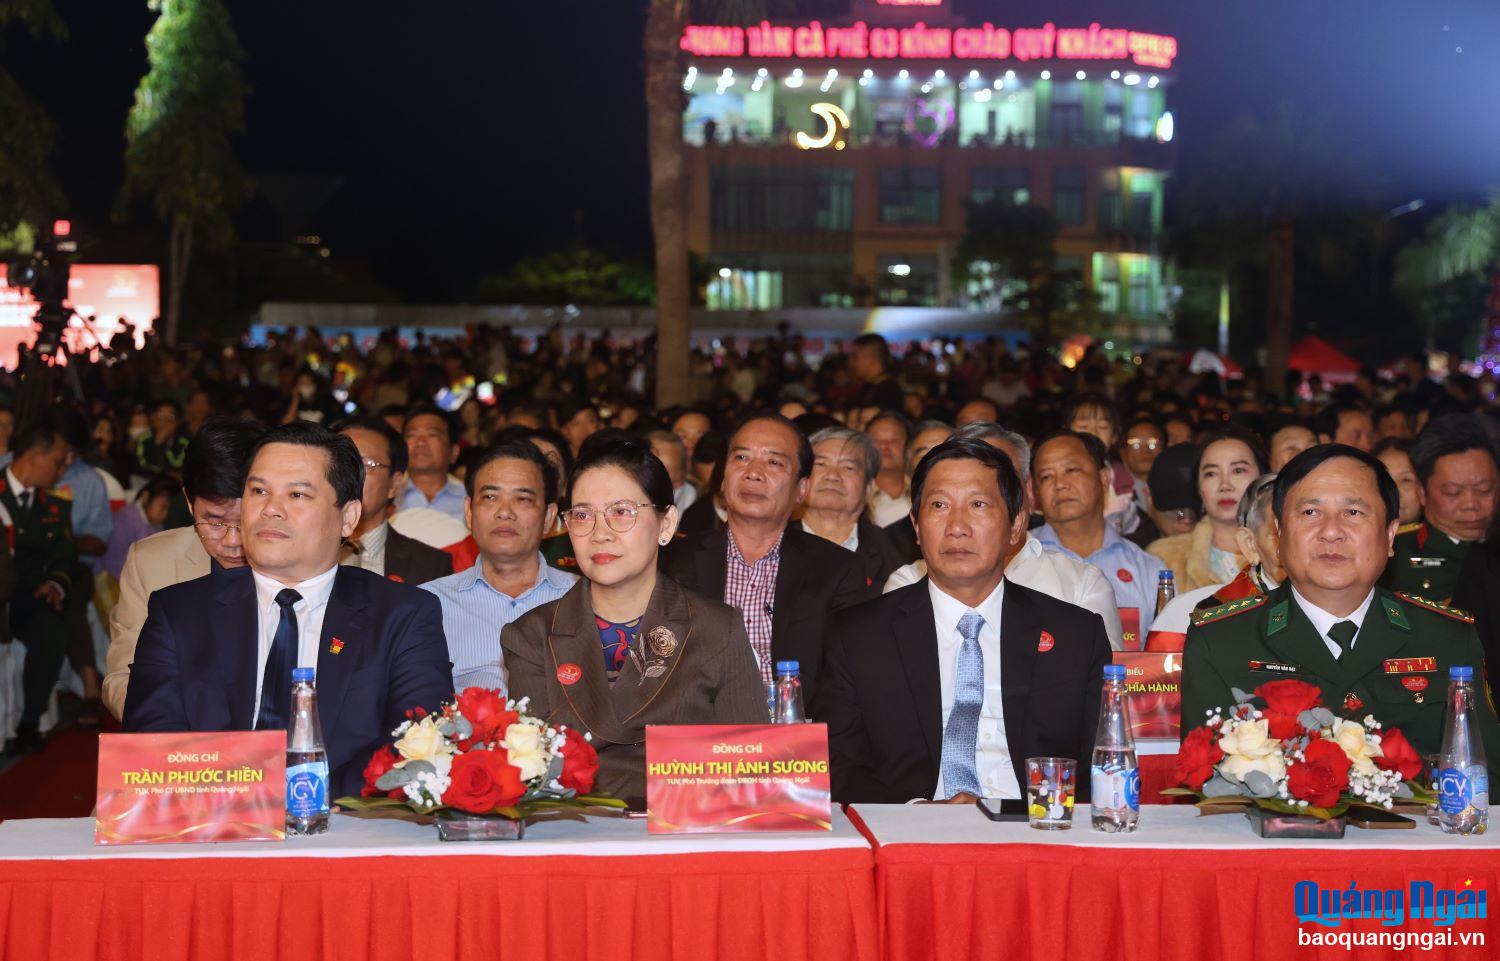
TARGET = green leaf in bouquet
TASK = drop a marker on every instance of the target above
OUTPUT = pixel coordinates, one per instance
(1285, 806)
(1260, 784)
(381, 808)
(395, 777)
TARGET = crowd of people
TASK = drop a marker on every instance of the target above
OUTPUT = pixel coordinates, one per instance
(949, 543)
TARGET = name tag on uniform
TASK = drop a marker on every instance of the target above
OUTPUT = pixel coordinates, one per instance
(1411, 665)
(1421, 562)
(1274, 667)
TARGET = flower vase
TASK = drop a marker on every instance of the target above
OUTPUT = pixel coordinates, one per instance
(462, 826)
(1273, 824)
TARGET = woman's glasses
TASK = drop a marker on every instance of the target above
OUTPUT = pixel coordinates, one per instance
(620, 517)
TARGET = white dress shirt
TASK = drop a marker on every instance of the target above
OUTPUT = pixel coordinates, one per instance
(309, 611)
(1050, 572)
(886, 510)
(850, 543)
(371, 555)
(992, 756)
(1322, 620)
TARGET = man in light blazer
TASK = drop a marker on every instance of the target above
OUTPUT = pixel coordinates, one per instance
(213, 478)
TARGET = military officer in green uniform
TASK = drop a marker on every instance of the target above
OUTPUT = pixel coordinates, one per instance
(1370, 651)
(41, 535)
(1456, 468)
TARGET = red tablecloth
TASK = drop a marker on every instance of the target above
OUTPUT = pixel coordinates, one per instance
(792, 906)
(1029, 902)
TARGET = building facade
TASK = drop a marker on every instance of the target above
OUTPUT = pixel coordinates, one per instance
(834, 164)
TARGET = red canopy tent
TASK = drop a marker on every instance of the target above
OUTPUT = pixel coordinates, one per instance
(1314, 355)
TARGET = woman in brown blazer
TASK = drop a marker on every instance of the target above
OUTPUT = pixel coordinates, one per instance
(628, 646)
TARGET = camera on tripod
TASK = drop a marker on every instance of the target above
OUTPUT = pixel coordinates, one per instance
(45, 274)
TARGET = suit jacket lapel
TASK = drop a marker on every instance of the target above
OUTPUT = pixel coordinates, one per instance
(1298, 642)
(789, 575)
(1378, 639)
(915, 637)
(345, 618)
(236, 629)
(669, 622)
(711, 560)
(1020, 630)
(574, 639)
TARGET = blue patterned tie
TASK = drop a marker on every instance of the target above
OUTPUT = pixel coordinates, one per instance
(275, 685)
(961, 736)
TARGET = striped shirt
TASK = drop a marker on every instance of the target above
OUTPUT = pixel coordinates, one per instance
(752, 589)
(474, 612)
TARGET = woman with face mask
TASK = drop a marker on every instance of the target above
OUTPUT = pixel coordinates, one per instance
(628, 646)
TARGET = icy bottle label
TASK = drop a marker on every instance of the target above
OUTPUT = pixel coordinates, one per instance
(1115, 787)
(1458, 789)
(307, 789)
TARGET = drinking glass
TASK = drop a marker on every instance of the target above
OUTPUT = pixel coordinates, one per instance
(1050, 783)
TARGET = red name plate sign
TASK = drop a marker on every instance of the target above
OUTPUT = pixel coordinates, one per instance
(725, 778)
(1153, 682)
(191, 787)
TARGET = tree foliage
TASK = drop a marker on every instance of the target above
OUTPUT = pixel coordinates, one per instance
(179, 152)
(27, 190)
(578, 276)
(1011, 249)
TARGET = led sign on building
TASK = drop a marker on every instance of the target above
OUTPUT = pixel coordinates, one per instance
(860, 41)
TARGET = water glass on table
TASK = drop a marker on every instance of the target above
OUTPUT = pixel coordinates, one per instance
(1050, 783)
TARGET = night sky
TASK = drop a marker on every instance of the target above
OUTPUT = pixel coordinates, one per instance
(460, 136)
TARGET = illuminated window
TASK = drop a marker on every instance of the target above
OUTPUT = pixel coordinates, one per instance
(907, 280)
(771, 199)
(910, 195)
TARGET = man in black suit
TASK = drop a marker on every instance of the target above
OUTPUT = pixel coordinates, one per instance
(845, 463)
(785, 582)
(217, 653)
(943, 689)
(375, 545)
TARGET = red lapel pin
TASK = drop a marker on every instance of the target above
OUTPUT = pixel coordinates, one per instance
(569, 673)
(1045, 643)
(336, 646)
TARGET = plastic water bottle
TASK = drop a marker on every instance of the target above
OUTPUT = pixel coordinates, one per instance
(788, 694)
(1166, 589)
(1463, 782)
(306, 761)
(1115, 780)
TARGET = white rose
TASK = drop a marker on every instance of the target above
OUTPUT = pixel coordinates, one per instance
(1358, 748)
(1250, 747)
(423, 742)
(524, 747)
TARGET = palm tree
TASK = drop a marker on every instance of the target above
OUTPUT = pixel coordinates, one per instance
(1461, 242)
(665, 101)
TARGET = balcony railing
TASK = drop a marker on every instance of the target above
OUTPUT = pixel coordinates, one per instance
(753, 136)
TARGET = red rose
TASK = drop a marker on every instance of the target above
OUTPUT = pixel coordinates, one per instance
(1397, 754)
(486, 712)
(1284, 701)
(482, 781)
(580, 763)
(381, 761)
(1321, 776)
(1196, 758)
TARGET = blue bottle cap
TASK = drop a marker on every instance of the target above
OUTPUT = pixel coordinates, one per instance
(300, 674)
(1114, 672)
(788, 667)
(1461, 672)
(1164, 576)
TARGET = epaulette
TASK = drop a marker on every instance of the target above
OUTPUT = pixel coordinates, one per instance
(1228, 610)
(1437, 607)
(1408, 528)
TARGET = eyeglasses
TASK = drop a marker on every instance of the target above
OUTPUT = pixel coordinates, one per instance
(1136, 443)
(620, 517)
(217, 528)
(375, 464)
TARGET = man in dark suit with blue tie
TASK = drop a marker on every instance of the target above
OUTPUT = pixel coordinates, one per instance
(217, 653)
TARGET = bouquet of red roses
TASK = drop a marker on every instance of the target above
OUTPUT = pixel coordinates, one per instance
(480, 754)
(1282, 750)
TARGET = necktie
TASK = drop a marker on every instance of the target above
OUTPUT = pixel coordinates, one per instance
(961, 736)
(26, 501)
(275, 685)
(1343, 635)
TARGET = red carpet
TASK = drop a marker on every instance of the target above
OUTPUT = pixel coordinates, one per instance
(57, 783)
